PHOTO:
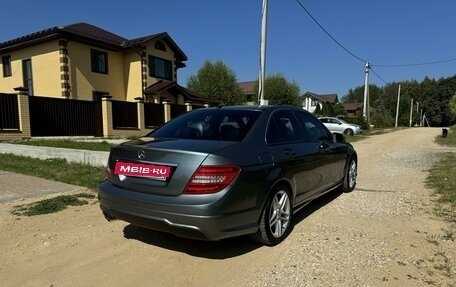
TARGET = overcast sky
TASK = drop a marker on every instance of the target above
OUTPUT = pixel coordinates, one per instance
(387, 32)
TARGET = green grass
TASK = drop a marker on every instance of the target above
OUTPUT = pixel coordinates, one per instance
(54, 169)
(450, 140)
(86, 145)
(52, 205)
(442, 178)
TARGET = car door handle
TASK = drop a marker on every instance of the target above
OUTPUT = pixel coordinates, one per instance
(289, 151)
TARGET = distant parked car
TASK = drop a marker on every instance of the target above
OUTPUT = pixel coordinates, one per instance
(227, 171)
(336, 125)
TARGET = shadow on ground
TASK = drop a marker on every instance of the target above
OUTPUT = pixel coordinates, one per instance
(223, 249)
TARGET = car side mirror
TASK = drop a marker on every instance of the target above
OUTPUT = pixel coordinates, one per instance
(339, 138)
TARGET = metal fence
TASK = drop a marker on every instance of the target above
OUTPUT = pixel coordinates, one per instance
(63, 117)
(9, 112)
(50, 116)
(154, 115)
(124, 115)
(177, 110)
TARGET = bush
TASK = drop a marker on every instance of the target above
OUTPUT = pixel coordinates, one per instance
(383, 121)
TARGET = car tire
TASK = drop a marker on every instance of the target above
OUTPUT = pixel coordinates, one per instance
(349, 132)
(350, 175)
(275, 221)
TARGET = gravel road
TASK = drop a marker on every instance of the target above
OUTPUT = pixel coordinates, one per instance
(384, 233)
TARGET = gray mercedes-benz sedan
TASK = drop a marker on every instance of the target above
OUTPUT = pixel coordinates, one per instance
(221, 172)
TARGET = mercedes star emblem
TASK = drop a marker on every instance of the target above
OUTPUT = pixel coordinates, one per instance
(141, 154)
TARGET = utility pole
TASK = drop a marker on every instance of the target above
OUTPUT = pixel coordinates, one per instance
(366, 94)
(421, 118)
(417, 109)
(261, 78)
(411, 112)
(397, 108)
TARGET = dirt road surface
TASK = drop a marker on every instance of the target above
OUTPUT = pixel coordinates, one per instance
(384, 233)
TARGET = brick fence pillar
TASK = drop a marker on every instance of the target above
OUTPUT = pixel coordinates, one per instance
(106, 110)
(167, 111)
(24, 115)
(141, 117)
(188, 106)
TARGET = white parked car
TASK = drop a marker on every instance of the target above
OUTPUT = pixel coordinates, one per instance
(340, 126)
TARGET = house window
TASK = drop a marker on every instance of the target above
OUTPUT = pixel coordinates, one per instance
(160, 68)
(99, 61)
(6, 62)
(160, 46)
(27, 75)
(313, 103)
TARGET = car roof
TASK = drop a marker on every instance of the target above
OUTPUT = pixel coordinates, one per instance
(258, 107)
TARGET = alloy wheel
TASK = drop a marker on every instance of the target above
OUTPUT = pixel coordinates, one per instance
(279, 214)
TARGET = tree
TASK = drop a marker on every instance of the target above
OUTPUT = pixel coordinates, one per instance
(357, 95)
(453, 106)
(435, 98)
(279, 91)
(217, 82)
(338, 110)
(327, 110)
(317, 110)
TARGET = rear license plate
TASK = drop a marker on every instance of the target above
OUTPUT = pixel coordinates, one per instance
(142, 170)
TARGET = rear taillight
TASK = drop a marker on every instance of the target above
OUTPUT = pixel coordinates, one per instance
(108, 172)
(211, 179)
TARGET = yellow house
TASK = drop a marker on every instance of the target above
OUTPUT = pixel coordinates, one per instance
(84, 62)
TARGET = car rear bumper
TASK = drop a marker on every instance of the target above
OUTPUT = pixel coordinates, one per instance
(200, 220)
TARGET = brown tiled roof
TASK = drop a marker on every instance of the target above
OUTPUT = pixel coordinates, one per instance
(174, 88)
(313, 96)
(90, 34)
(331, 98)
(353, 106)
(248, 87)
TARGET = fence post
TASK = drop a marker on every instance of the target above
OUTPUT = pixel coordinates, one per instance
(167, 111)
(106, 110)
(24, 115)
(141, 118)
(188, 106)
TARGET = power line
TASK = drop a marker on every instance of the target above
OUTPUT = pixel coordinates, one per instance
(416, 64)
(378, 76)
(329, 35)
(362, 60)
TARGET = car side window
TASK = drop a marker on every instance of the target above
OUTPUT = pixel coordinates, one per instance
(313, 127)
(283, 128)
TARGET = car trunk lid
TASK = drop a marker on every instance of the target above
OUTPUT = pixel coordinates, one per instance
(159, 166)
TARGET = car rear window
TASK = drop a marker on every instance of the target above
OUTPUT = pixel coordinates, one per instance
(209, 124)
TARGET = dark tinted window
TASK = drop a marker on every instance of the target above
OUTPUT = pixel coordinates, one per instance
(209, 124)
(283, 128)
(313, 128)
(28, 75)
(6, 62)
(99, 61)
(160, 68)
